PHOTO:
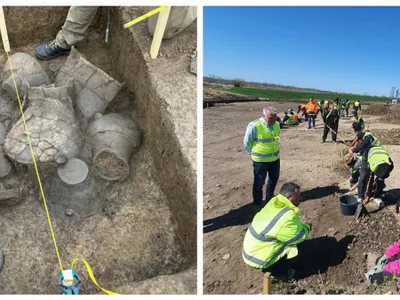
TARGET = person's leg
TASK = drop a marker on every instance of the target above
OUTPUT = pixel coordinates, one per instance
(364, 176)
(325, 134)
(260, 173)
(282, 266)
(309, 121)
(313, 120)
(76, 25)
(273, 177)
(333, 132)
(73, 31)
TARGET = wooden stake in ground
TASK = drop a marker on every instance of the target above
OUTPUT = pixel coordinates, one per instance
(267, 284)
(159, 32)
(3, 30)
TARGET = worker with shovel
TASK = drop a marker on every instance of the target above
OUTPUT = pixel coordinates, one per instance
(271, 241)
(330, 118)
(261, 141)
(368, 141)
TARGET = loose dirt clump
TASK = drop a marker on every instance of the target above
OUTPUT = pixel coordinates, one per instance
(388, 136)
(392, 115)
(377, 109)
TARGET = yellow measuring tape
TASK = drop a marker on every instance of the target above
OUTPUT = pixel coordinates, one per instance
(145, 16)
(89, 269)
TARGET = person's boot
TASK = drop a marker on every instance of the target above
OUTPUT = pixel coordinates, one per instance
(49, 50)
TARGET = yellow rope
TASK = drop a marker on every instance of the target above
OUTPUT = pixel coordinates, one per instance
(145, 16)
(35, 165)
(90, 272)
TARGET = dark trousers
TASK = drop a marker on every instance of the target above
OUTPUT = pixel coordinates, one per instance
(326, 130)
(382, 172)
(260, 170)
(364, 177)
(311, 117)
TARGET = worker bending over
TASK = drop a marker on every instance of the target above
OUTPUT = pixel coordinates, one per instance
(368, 141)
(303, 109)
(312, 109)
(381, 165)
(290, 118)
(271, 240)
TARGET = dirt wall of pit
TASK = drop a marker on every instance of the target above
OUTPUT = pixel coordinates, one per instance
(174, 169)
(173, 144)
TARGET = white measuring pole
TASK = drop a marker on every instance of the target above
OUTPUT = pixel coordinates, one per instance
(3, 30)
(159, 31)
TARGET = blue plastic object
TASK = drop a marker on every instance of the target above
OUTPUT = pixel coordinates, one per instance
(70, 289)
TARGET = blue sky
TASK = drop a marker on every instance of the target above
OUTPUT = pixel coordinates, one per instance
(342, 49)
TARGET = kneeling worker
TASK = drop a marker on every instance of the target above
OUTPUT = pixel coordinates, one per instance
(290, 118)
(354, 164)
(271, 241)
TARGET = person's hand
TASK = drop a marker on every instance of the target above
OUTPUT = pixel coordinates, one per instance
(382, 261)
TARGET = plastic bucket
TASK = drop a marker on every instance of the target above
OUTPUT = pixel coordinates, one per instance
(348, 205)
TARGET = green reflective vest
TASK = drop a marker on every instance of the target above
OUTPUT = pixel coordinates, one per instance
(274, 233)
(265, 148)
(356, 104)
(375, 143)
(376, 157)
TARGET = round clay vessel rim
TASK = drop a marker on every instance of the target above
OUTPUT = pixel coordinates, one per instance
(109, 178)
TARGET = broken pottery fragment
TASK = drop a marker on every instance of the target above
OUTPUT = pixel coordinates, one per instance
(94, 88)
(53, 131)
(28, 73)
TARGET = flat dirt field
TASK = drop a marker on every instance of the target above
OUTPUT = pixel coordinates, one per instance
(344, 245)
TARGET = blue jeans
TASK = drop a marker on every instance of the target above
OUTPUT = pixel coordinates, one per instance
(311, 117)
(260, 170)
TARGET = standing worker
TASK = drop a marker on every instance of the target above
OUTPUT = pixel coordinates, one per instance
(312, 109)
(331, 123)
(368, 141)
(261, 141)
(271, 240)
(356, 107)
(347, 107)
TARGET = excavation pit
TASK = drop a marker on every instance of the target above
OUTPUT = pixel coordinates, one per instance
(142, 238)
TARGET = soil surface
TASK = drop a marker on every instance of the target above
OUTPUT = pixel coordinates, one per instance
(131, 239)
(343, 246)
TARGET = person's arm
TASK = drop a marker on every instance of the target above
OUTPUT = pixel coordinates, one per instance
(293, 231)
(353, 187)
(359, 106)
(249, 137)
(361, 148)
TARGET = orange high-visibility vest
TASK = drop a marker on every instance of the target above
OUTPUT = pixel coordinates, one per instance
(312, 107)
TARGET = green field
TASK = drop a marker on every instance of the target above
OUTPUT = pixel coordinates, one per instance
(287, 95)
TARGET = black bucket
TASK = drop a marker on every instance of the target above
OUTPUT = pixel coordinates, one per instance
(348, 205)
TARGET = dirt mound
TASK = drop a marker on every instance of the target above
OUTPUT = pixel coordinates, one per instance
(388, 136)
(211, 95)
(392, 115)
(377, 109)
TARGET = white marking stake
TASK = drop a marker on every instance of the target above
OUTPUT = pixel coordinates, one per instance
(159, 32)
(3, 30)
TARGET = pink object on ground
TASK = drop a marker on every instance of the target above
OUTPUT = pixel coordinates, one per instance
(393, 250)
(393, 267)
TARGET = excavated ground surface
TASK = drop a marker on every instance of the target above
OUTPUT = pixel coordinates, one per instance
(133, 238)
(343, 245)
